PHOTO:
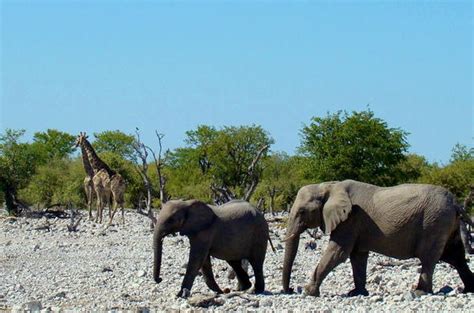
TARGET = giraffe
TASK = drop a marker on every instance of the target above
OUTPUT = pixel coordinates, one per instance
(106, 182)
(88, 184)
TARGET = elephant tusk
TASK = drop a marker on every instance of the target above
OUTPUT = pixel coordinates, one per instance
(289, 237)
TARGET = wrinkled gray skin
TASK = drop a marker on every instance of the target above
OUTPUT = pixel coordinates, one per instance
(231, 232)
(405, 221)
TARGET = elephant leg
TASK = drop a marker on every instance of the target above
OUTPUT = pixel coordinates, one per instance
(257, 265)
(425, 282)
(429, 256)
(359, 271)
(197, 255)
(454, 255)
(332, 257)
(209, 276)
(242, 276)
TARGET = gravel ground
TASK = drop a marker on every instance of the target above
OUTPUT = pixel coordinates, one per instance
(58, 270)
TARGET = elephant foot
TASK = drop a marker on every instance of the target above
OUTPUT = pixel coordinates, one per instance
(256, 291)
(311, 290)
(289, 291)
(184, 293)
(418, 293)
(241, 287)
(358, 292)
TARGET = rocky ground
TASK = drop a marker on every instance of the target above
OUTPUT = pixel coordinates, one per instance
(43, 265)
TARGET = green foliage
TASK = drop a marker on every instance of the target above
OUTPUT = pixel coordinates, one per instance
(457, 176)
(357, 146)
(219, 157)
(18, 162)
(116, 142)
(185, 179)
(56, 182)
(462, 153)
(53, 144)
(412, 168)
(282, 177)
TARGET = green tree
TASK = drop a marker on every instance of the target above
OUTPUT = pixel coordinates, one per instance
(116, 142)
(282, 176)
(221, 158)
(53, 144)
(18, 162)
(185, 178)
(412, 168)
(355, 146)
(462, 153)
(457, 176)
(56, 182)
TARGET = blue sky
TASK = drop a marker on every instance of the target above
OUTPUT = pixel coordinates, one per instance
(98, 65)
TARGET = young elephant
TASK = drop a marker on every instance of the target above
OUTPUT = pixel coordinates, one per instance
(231, 232)
(403, 222)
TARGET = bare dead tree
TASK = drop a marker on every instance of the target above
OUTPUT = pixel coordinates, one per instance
(72, 227)
(272, 191)
(222, 194)
(253, 174)
(261, 204)
(142, 168)
(464, 227)
(159, 167)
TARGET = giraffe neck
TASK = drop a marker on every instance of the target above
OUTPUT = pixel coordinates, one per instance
(96, 163)
(85, 161)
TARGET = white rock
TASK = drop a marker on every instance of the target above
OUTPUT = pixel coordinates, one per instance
(32, 306)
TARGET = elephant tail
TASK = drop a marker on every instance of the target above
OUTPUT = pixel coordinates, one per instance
(271, 244)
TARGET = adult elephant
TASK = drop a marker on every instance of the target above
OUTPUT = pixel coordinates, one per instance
(231, 232)
(405, 221)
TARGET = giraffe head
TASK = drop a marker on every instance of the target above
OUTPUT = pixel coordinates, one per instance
(80, 139)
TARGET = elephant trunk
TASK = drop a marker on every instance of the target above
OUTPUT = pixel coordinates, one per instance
(158, 251)
(291, 248)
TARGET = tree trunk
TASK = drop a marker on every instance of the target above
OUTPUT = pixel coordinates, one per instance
(11, 203)
(291, 248)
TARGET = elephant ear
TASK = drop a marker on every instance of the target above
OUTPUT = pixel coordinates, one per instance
(199, 216)
(337, 208)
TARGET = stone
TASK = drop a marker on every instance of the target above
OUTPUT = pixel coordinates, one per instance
(377, 279)
(446, 289)
(32, 306)
(376, 298)
(311, 245)
(202, 301)
(408, 296)
(59, 295)
(266, 302)
(141, 273)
